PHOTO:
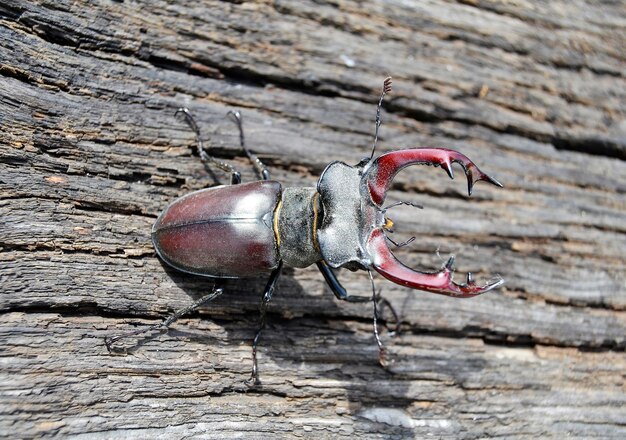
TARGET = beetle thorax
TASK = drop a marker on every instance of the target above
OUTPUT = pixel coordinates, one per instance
(296, 221)
(349, 217)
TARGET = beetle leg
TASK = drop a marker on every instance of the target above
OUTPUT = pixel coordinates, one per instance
(342, 294)
(260, 168)
(267, 296)
(336, 287)
(109, 341)
(382, 353)
(235, 176)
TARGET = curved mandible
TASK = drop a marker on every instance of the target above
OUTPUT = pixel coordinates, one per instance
(440, 282)
(381, 171)
(378, 177)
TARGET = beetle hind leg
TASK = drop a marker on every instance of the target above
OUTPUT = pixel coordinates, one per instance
(235, 176)
(263, 172)
(109, 341)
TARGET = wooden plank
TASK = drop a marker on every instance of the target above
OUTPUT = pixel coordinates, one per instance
(90, 153)
(189, 382)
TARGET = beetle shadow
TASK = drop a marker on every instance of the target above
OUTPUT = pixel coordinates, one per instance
(297, 320)
(312, 337)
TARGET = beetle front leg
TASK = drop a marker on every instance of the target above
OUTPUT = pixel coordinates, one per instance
(382, 353)
(267, 296)
(342, 294)
(338, 290)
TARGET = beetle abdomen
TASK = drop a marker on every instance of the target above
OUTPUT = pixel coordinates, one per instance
(225, 231)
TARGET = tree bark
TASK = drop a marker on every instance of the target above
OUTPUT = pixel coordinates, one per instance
(90, 153)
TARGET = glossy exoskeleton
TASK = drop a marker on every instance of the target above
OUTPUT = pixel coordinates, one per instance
(249, 229)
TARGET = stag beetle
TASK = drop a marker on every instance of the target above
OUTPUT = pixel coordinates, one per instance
(249, 229)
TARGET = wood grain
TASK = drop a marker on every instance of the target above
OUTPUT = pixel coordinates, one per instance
(90, 153)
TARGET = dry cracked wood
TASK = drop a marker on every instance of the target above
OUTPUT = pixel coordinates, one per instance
(90, 152)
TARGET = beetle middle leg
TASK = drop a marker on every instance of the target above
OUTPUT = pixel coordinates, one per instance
(265, 299)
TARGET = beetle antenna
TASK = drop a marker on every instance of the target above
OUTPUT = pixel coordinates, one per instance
(256, 162)
(235, 176)
(393, 205)
(386, 89)
(404, 243)
(382, 353)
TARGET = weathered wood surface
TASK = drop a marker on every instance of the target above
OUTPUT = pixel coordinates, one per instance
(534, 92)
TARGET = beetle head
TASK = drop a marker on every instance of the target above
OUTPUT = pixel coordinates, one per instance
(352, 232)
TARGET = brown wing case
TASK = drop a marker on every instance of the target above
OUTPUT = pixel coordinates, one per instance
(225, 231)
